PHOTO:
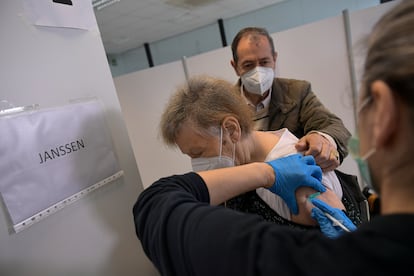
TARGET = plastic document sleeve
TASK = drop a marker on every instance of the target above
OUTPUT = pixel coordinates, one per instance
(53, 157)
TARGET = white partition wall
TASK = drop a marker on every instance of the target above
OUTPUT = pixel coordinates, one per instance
(95, 235)
(361, 23)
(315, 52)
(215, 63)
(143, 96)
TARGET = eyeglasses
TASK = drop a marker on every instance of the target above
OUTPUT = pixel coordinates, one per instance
(364, 103)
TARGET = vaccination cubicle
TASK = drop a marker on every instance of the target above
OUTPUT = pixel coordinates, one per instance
(51, 66)
(328, 53)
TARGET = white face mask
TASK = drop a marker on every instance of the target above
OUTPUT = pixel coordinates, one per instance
(215, 162)
(258, 80)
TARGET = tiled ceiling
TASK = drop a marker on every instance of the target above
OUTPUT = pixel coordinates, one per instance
(128, 24)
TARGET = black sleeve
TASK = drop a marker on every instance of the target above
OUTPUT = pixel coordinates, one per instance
(183, 235)
(153, 215)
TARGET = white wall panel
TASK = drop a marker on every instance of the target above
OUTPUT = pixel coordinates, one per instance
(215, 63)
(96, 234)
(143, 96)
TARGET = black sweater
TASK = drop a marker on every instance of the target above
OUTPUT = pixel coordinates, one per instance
(183, 235)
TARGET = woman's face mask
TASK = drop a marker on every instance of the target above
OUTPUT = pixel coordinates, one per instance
(258, 80)
(353, 146)
(215, 162)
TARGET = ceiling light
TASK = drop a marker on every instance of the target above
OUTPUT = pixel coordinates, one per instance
(100, 4)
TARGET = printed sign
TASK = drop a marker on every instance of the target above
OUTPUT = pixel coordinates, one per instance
(51, 154)
(76, 14)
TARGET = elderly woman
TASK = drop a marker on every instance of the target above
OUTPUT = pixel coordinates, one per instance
(209, 121)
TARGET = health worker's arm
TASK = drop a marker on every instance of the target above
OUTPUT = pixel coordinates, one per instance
(224, 184)
(182, 234)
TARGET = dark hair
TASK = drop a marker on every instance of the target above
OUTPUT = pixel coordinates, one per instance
(390, 55)
(249, 31)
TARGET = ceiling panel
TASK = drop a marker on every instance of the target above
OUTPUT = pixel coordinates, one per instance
(128, 24)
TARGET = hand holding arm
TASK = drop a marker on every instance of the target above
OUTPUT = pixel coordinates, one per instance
(226, 183)
(292, 172)
(324, 152)
(328, 227)
(282, 177)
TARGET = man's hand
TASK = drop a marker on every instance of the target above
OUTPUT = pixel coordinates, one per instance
(325, 154)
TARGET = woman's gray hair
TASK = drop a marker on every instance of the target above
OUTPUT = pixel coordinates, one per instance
(204, 102)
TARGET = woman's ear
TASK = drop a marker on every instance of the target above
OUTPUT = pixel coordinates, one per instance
(232, 127)
(386, 118)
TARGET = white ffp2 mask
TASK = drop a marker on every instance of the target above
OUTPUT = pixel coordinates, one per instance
(215, 162)
(258, 80)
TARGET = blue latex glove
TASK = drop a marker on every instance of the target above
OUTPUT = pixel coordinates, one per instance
(327, 226)
(292, 172)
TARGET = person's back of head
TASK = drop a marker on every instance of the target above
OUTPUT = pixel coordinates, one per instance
(390, 55)
(203, 101)
(386, 109)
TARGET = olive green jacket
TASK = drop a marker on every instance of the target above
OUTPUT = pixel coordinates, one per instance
(294, 106)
